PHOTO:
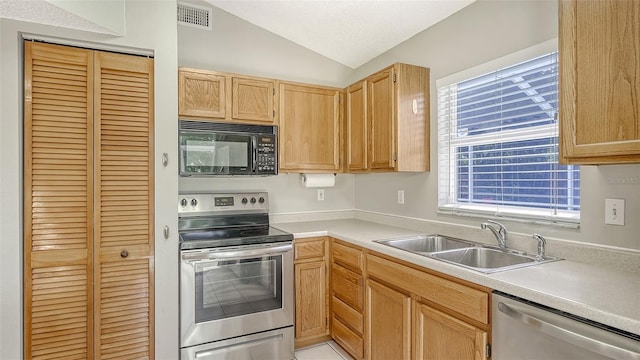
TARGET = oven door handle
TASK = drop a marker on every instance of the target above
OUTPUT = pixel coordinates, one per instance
(211, 254)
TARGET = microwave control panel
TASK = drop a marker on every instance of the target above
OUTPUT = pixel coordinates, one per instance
(266, 162)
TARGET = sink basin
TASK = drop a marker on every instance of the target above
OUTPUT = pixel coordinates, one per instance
(464, 253)
(426, 244)
(488, 259)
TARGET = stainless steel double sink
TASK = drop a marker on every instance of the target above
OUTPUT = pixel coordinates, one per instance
(464, 253)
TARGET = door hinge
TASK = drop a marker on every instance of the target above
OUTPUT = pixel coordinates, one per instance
(394, 77)
(326, 322)
(274, 114)
(274, 91)
(488, 350)
(395, 156)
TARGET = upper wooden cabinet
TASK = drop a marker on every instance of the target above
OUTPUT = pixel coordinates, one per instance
(309, 136)
(599, 46)
(388, 121)
(212, 95)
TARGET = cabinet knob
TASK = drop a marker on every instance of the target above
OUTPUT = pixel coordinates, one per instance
(124, 253)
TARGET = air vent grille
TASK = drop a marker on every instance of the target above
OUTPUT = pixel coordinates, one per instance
(194, 15)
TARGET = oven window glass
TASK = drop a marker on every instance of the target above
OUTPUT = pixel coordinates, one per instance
(226, 289)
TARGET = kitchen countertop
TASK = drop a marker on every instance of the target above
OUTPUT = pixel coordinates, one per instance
(607, 296)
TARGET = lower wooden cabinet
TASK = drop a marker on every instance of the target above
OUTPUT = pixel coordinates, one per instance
(388, 322)
(379, 307)
(416, 314)
(439, 336)
(347, 297)
(311, 284)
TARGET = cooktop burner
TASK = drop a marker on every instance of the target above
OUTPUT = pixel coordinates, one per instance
(210, 220)
(207, 238)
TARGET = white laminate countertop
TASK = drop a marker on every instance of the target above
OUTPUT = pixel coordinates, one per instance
(603, 295)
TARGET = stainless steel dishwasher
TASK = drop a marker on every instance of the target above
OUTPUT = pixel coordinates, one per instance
(529, 331)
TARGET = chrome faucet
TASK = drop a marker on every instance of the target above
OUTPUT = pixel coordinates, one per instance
(541, 243)
(500, 234)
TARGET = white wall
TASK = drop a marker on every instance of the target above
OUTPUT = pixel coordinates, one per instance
(237, 46)
(478, 33)
(148, 27)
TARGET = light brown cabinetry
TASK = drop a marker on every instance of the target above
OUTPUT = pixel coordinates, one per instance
(309, 133)
(442, 336)
(213, 95)
(347, 297)
(599, 47)
(388, 121)
(447, 319)
(88, 204)
(388, 322)
(312, 295)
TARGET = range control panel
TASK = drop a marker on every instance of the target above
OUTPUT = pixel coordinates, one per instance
(202, 203)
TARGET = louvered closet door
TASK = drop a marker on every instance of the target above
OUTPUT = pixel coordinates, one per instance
(123, 207)
(58, 202)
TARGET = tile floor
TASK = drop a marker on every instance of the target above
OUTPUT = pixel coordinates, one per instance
(325, 351)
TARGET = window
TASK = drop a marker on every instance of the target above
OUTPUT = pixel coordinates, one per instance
(498, 145)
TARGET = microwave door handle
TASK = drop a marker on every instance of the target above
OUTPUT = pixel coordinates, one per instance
(254, 147)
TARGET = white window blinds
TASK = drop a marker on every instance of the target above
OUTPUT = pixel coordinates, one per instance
(498, 146)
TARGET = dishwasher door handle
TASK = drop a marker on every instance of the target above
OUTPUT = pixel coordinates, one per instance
(569, 336)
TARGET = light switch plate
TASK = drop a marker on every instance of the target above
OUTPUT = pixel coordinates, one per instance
(320, 194)
(614, 211)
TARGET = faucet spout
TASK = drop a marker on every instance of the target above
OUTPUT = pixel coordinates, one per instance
(500, 233)
(541, 244)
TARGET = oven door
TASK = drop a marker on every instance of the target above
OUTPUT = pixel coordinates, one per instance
(210, 153)
(235, 291)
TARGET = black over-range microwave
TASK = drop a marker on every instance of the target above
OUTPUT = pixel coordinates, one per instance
(223, 149)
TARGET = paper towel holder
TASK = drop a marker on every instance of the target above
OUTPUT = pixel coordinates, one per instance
(305, 180)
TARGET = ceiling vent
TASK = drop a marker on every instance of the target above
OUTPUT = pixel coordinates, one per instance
(194, 15)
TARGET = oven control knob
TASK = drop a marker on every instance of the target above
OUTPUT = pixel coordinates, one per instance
(194, 202)
(244, 201)
(253, 200)
(261, 200)
(183, 202)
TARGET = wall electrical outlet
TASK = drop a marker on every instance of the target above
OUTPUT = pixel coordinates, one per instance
(400, 196)
(614, 211)
(320, 194)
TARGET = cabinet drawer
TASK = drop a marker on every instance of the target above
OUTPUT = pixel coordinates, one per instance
(308, 248)
(347, 286)
(348, 339)
(347, 314)
(347, 256)
(467, 301)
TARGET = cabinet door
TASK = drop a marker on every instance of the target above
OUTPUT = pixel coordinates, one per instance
(388, 322)
(309, 128)
(599, 46)
(253, 99)
(58, 202)
(311, 300)
(381, 108)
(357, 133)
(124, 197)
(438, 336)
(201, 94)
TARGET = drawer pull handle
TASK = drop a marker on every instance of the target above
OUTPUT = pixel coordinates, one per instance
(124, 253)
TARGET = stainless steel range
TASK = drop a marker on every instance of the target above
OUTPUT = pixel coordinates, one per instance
(236, 279)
